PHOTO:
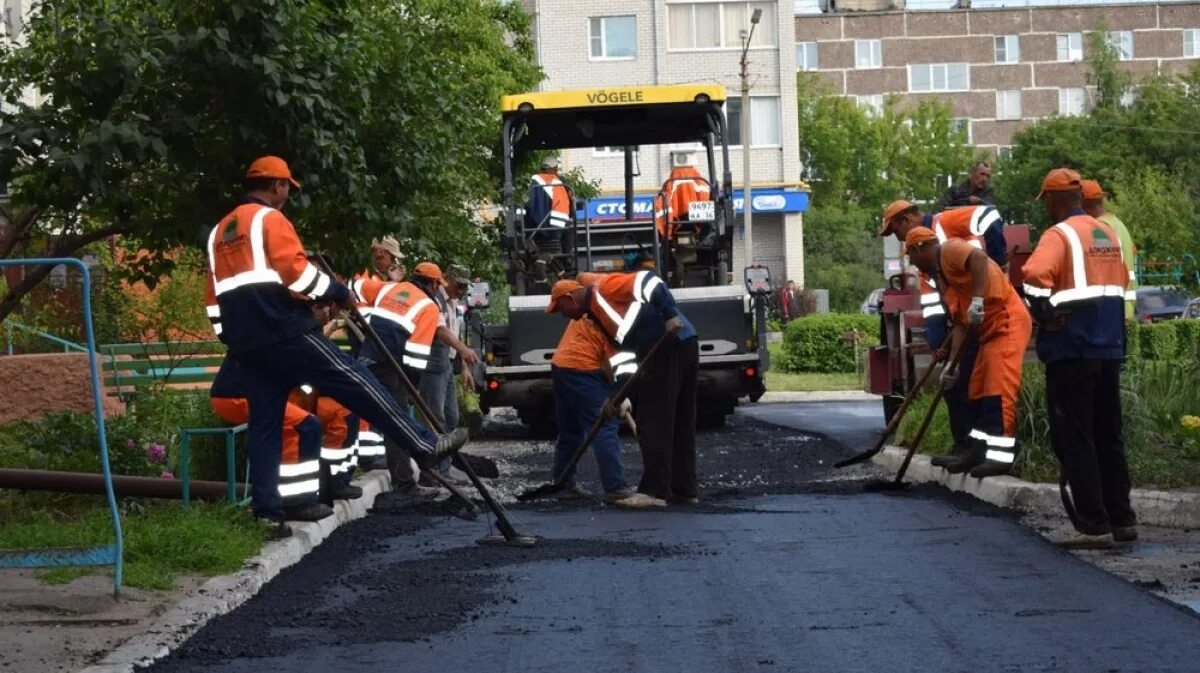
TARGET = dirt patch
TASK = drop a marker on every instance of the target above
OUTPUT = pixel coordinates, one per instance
(45, 383)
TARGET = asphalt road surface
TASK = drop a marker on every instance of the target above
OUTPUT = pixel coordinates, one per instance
(786, 566)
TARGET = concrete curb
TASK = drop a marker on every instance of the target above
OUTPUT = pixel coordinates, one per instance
(221, 595)
(818, 396)
(1169, 509)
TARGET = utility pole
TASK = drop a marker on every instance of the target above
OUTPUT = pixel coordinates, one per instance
(747, 210)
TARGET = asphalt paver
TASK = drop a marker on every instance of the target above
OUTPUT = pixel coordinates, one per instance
(785, 566)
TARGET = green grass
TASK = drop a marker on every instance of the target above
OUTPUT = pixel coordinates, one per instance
(781, 381)
(162, 541)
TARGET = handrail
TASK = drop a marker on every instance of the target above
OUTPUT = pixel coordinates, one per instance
(100, 555)
(11, 325)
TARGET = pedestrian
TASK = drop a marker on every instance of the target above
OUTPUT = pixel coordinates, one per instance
(976, 190)
(979, 297)
(1075, 281)
(448, 353)
(258, 296)
(406, 319)
(1093, 203)
(634, 310)
(583, 382)
(788, 301)
(981, 227)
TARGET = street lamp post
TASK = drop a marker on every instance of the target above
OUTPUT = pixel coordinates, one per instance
(747, 214)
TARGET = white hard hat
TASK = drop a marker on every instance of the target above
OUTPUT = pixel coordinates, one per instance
(683, 158)
(550, 162)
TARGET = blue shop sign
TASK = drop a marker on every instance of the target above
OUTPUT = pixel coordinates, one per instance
(766, 200)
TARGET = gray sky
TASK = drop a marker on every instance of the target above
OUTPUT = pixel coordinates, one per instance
(810, 6)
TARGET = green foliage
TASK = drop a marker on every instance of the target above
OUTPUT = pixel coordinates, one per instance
(937, 439)
(1163, 341)
(580, 184)
(843, 254)
(149, 113)
(161, 542)
(818, 343)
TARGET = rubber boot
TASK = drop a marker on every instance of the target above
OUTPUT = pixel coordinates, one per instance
(975, 455)
(957, 453)
(991, 468)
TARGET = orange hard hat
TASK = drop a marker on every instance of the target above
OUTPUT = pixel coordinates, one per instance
(893, 209)
(431, 271)
(561, 289)
(1060, 180)
(271, 167)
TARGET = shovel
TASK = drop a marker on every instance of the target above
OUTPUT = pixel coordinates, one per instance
(892, 424)
(560, 482)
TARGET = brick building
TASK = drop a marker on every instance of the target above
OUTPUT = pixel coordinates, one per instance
(999, 68)
(632, 42)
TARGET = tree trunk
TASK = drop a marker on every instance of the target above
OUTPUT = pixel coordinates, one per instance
(66, 246)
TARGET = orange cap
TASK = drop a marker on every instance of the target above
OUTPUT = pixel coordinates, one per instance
(894, 208)
(1060, 180)
(561, 289)
(1092, 190)
(918, 235)
(271, 167)
(431, 271)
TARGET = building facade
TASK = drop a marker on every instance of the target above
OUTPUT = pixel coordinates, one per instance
(660, 42)
(999, 69)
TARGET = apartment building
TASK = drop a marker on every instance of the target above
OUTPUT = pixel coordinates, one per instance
(999, 69)
(659, 42)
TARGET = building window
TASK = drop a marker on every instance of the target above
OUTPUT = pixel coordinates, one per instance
(1191, 43)
(1008, 104)
(868, 54)
(612, 38)
(1071, 102)
(963, 126)
(1122, 42)
(1008, 49)
(872, 104)
(806, 56)
(718, 25)
(1070, 46)
(764, 121)
(1004, 152)
(939, 77)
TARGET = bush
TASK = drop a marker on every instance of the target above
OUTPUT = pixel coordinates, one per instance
(1168, 340)
(817, 343)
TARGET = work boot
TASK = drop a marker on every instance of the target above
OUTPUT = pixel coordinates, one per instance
(1077, 540)
(573, 492)
(345, 492)
(641, 501)
(960, 449)
(991, 468)
(416, 492)
(314, 512)
(611, 497)
(975, 455)
(447, 445)
(1124, 533)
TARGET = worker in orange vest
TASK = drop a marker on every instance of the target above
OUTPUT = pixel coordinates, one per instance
(1075, 281)
(978, 295)
(260, 288)
(548, 210)
(684, 186)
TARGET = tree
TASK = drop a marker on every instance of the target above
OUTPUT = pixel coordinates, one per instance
(149, 112)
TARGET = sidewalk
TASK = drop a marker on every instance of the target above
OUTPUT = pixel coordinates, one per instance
(817, 396)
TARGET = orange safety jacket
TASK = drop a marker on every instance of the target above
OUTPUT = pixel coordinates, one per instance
(405, 318)
(260, 282)
(631, 309)
(1077, 274)
(684, 186)
(977, 225)
(558, 197)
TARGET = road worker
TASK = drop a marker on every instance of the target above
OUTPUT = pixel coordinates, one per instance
(448, 353)
(406, 319)
(979, 296)
(582, 384)
(387, 261)
(1093, 204)
(634, 310)
(337, 457)
(1075, 282)
(682, 188)
(983, 228)
(259, 291)
(548, 210)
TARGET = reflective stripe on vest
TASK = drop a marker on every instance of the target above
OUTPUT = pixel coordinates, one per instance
(983, 218)
(644, 285)
(1080, 289)
(557, 217)
(942, 237)
(312, 282)
(623, 323)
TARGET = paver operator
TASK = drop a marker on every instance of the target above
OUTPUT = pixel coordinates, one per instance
(634, 310)
(259, 291)
(983, 228)
(1075, 282)
(979, 296)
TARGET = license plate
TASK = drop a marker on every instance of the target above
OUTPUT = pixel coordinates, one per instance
(702, 210)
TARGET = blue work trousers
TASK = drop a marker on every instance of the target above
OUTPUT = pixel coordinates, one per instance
(578, 399)
(273, 371)
(440, 392)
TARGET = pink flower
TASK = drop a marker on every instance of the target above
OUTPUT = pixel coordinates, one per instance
(166, 475)
(157, 453)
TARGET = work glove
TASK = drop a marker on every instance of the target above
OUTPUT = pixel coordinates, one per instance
(626, 407)
(949, 377)
(675, 325)
(975, 312)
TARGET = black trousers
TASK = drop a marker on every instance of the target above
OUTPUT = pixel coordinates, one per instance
(958, 401)
(402, 469)
(1084, 400)
(666, 418)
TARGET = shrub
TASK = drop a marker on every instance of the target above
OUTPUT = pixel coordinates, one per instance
(817, 343)
(1168, 340)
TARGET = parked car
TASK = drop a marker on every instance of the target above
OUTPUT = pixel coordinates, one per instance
(870, 305)
(1155, 304)
(1192, 310)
